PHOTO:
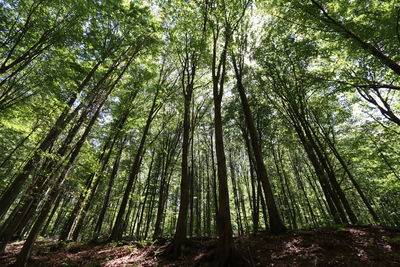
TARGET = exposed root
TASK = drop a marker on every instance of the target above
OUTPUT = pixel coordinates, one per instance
(278, 229)
(221, 257)
(175, 251)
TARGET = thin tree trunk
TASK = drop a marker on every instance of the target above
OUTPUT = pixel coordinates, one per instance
(53, 211)
(336, 212)
(321, 153)
(65, 117)
(60, 215)
(74, 213)
(301, 185)
(235, 195)
(214, 179)
(165, 180)
(113, 174)
(146, 194)
(353, 181)
(104, 158)
(276, 224)
(116, 233)
(363, 44)
(24, 255)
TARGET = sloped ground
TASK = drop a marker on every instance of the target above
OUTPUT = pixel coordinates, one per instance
(350, 246)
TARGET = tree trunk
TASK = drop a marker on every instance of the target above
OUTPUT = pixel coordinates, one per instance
(60, 215)
(168, 169)
(24, 255)
(355, 184)
(321, 153)
(180, 230)
(276, 224)
(116, 233)
(65, 117)
(235, 195)
(104, 158)
(225, 241)
(53, 211)
(146, 194)
(74, 213)
(113, 174)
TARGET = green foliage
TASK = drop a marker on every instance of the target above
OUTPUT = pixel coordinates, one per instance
(301, 71)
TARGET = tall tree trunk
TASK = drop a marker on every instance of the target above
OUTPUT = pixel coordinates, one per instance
(214, 181)
(168, 169)
(104, 158)
(276, 224)
(224, 226)
(113, 174)
(356, 185)
(39, 186)
(61, 123)
(321, 153)
(235, 195)
(60, 215)
(181, 225)
(146, 194)
(254, 196)
(150, 211)
(301, 185)
(64, 235)
(116, 233)
(53, 211)
(207, 226)
(349, 174)
(24, 255)
(334, 207)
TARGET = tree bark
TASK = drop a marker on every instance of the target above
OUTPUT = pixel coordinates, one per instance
(276, 224)
(116, 232)
(65, 117)
(113, 174)
(24, 255)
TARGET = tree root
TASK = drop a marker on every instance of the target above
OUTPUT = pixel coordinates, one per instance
(175, 251)
(221, 257)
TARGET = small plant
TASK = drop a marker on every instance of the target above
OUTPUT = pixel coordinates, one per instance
(132, 249)
(142, 243)
(303, 257)
(395, 240)
(340, 228)
(94, 263)
(73, 247)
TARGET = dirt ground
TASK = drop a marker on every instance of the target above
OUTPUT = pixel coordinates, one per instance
(329, 246)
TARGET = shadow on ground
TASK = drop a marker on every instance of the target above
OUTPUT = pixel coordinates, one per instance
(329, 246)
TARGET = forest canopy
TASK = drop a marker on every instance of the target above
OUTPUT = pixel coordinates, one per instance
(154, 119)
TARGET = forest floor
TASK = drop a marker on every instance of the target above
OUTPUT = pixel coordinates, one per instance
(327, 246)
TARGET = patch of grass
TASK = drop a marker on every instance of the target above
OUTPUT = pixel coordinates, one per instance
(113, 244)
(340, 228)
(41, 238)
(132, 249)
(303, 257)
(94, 263)
(143, 243)
(69, 263)
(40, 251)
(395, 240)
(58, 246)
(73, 247)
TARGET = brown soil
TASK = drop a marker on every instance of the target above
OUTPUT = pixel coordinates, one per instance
(349, 246)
